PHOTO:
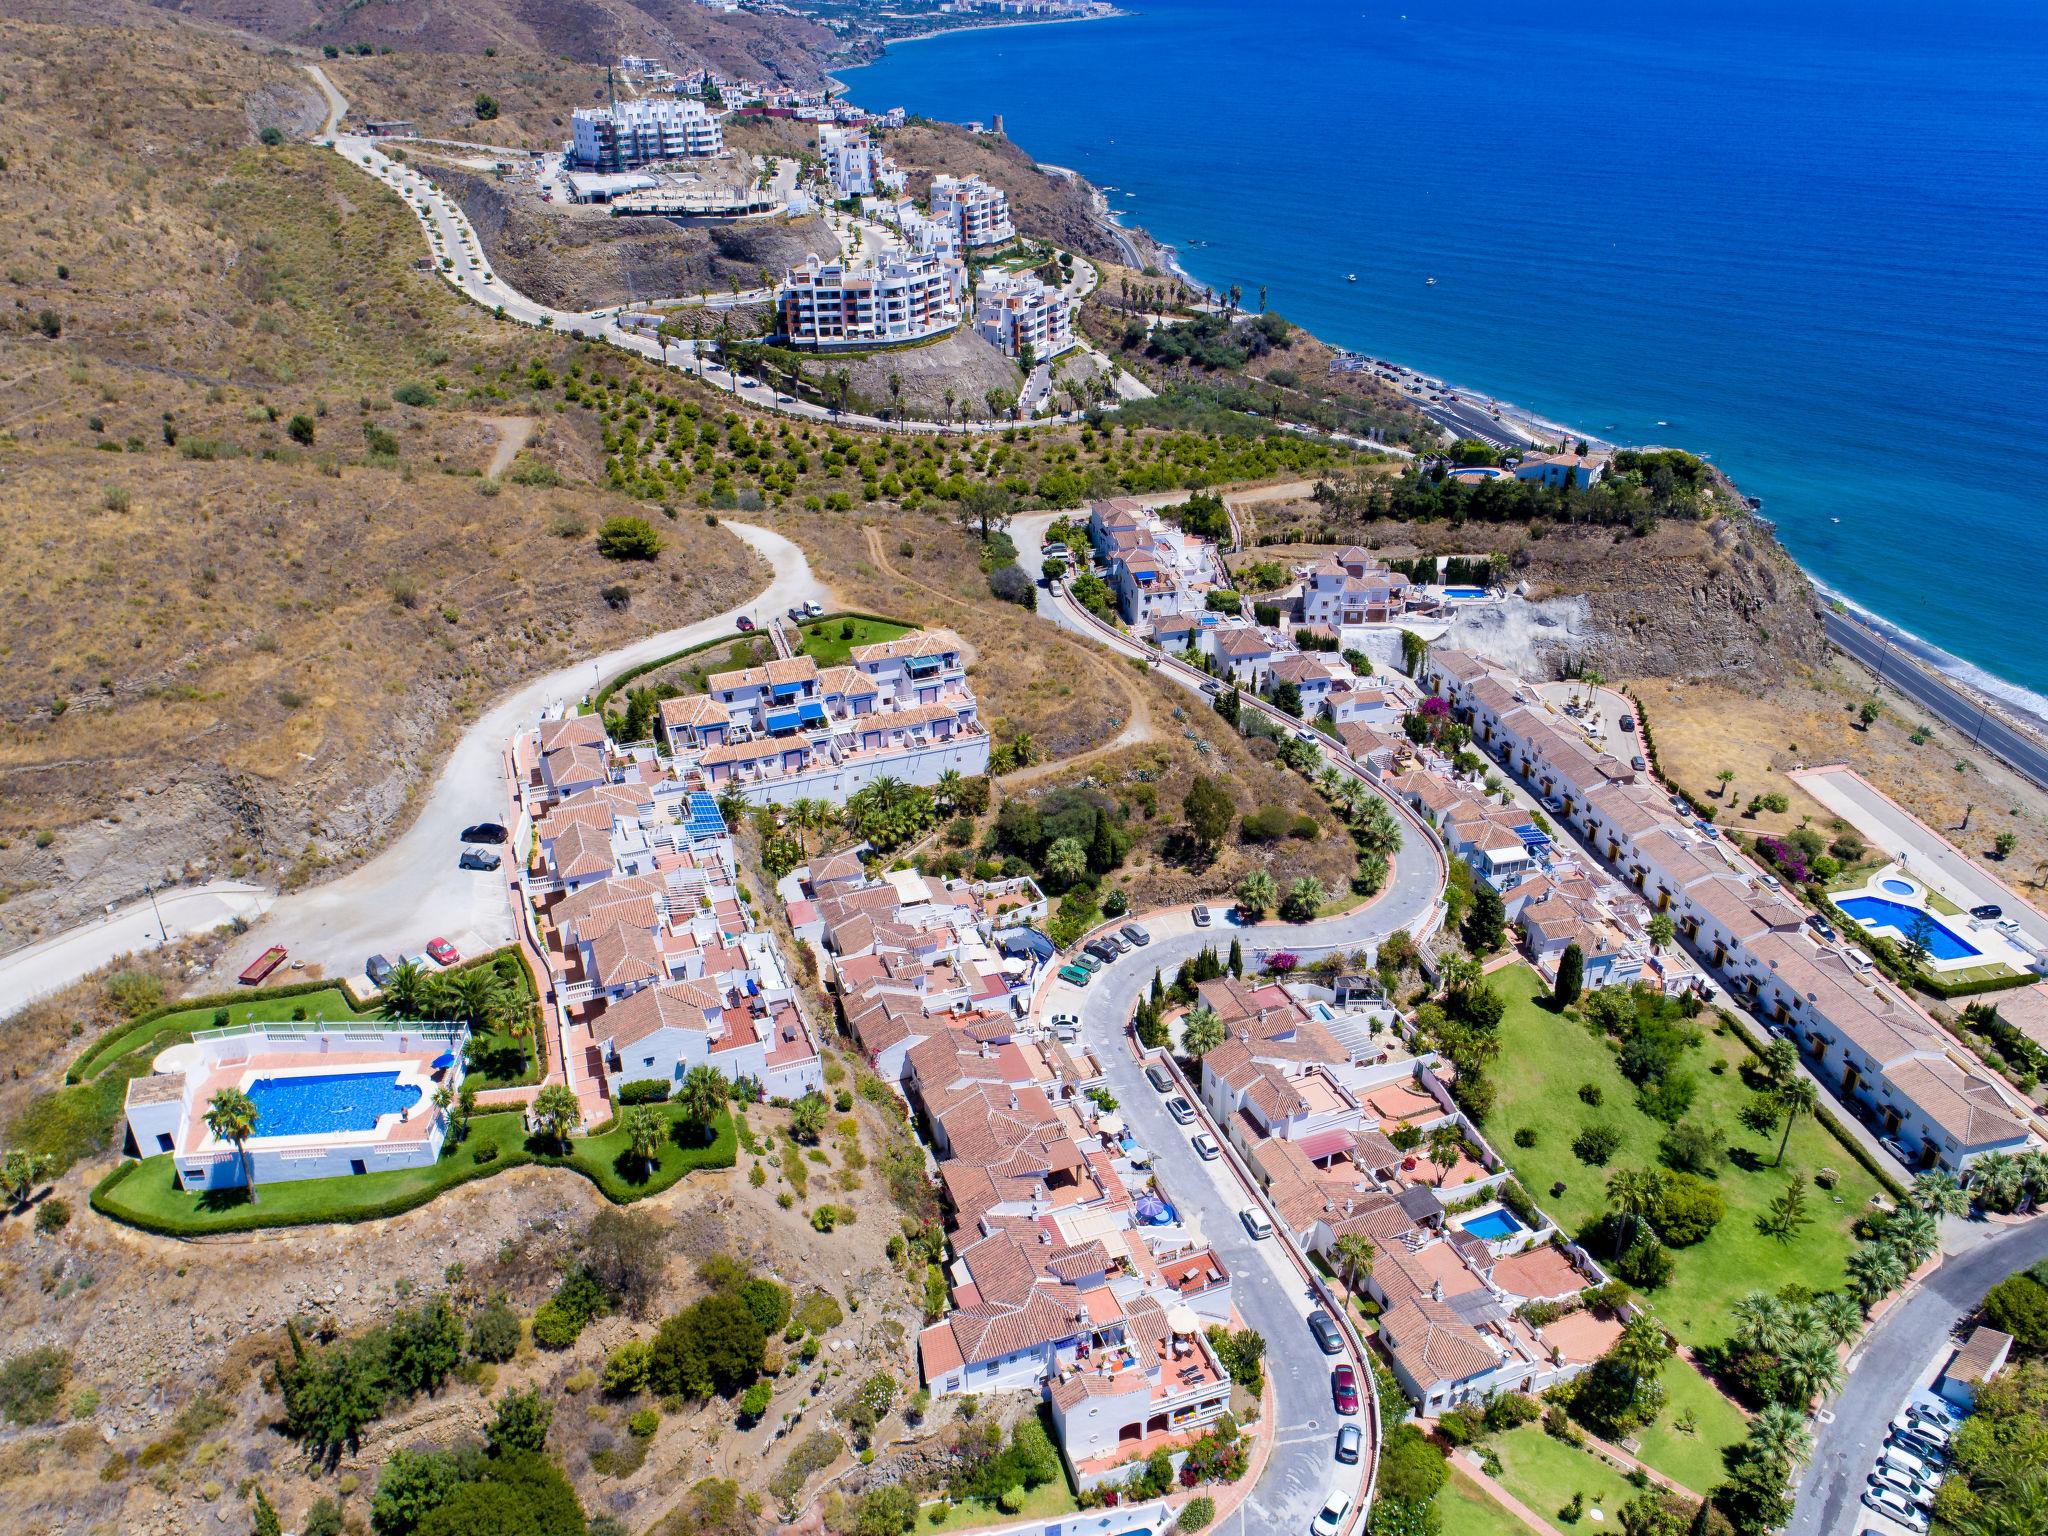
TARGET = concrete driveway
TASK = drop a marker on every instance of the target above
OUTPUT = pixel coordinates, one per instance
(54, 963)
(413, 891)
(1271, 1296)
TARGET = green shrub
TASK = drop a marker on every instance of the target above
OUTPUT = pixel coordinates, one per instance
(1196, 1514)
(644, 1423)
(644, 1090)
(32, 1383)
(413, 393)
(623, 537)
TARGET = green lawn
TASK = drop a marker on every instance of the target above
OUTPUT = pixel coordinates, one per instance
(826, 642)
(1544, 1060)
(1048, 1501)
(146, 1195)
(1694, 1459)
(1466, 1509)
(175, 1028)
(1543, 1472)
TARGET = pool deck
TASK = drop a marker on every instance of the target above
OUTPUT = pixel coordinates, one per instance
(1990, 947)
(238, 1074)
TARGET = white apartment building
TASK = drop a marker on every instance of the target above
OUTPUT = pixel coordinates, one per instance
(1018, 311)
(898, 299)
(981, 211)
(642, 131)
(855, 164)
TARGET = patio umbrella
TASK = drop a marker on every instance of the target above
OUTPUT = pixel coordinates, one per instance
(1110, 1125)
(1182, 1319)
(444, 1061)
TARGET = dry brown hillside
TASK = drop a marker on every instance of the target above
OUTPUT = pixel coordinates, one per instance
(229, 648)
(742, 44)
(1054, 208)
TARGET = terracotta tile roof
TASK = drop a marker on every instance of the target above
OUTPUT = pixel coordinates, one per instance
(1964, 1104)
(796, 669)
(681, 1006)
(623, 955)
(1982, 1353)
(580, 850)
(697, 710)
(572, 730)
(751, 751)
(921, 642)
(1432, 1344)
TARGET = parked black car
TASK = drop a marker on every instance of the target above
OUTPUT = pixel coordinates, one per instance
(485, 832)
(1990, 911)
(378, 969)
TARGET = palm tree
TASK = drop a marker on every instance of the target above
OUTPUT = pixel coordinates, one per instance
(1779, 1436)
(1641, 1349)
(2033, 1168)
(231, 1116)
(477, 993)
(1998, 1180)
(1201, 1032)
(1446, 1146)
(1810, 1368)
(1780, 1062)
(2015, 1497)
(1796, 1097)
(1875, 1271)
(702, 1095)
(1836, 1315)
(1763, 1323)
(1727, 777)
(1914, 1232)
(1937, 1193)
(405, 991)
(555, 1113)
(643, 1129)
(948, 790)
(1633, 1193)
(1355, 1255)
(1257, 893)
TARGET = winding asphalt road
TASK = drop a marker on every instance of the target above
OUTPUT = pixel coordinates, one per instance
(1888, 1366)
(1948, 704)
(413, 891)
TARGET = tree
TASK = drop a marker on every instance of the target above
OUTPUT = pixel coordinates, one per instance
(1726, 777)
(263, 1519)
(1787, 1212)
(231, 1116)
(1209, 810)
(404, 991)
(2018, 1305)
(486, 107)
(1305, 898)
(1937, 1193)
(1867, 714)
(625, 537)
(1486, 923)
(1632, 1194)
(985, 508)
(300, 430)
(20, 1173)
(412, 1485)
(1201, 1032)
(713, 1345)
(1446, 1146)
(555, 1114)
(807, 1117)
(1066, 863)
(1571, 976)
(1257, 894)
(1354, 1258)
(521, 1423)
(1875, 1270)
(1810, 1368)
(2003, 845)
(1796, 1097)
(644, 1133)
(1778, 1435)
(1236, 964)
(1662, 930)
(701, 1096)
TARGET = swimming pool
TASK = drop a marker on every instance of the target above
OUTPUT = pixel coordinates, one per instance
(1491, 1226)
(1896, 886)
(324, 1103)
(1464, 592)
(1876, 912)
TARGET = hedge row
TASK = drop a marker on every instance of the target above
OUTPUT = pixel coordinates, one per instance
(458, 1166)
(88, 1066)
(1952, 989)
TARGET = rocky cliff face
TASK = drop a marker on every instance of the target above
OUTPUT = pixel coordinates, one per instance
(1716, 599)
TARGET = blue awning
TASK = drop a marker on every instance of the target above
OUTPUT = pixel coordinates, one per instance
(1025, 941)
(788, 690)
(780, 720)
(811, 714)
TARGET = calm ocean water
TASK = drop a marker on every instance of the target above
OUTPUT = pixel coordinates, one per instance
(1808, 240)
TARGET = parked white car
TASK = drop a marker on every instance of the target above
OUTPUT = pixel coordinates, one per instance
(1329, 1519)
(1895, 1506)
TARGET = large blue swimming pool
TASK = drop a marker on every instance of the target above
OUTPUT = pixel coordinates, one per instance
(1491, 1226)
(1875, 912)
(328, 1102)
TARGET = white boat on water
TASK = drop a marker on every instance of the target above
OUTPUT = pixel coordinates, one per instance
(1429, 282)
(1350, 277)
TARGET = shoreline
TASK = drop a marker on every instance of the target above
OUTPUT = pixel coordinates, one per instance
(2019, 706)
(994, 26)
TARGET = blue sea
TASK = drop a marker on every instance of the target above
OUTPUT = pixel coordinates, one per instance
(1807, 240)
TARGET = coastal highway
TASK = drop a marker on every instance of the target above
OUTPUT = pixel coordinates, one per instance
(1468, 420)
(1939, 698)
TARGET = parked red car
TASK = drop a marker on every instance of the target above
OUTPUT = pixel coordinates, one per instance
(1344, 1389)
(443, 952)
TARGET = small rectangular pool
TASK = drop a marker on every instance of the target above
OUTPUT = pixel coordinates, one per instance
(324, 1103)
(1490, 1226)
(1465, 593)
